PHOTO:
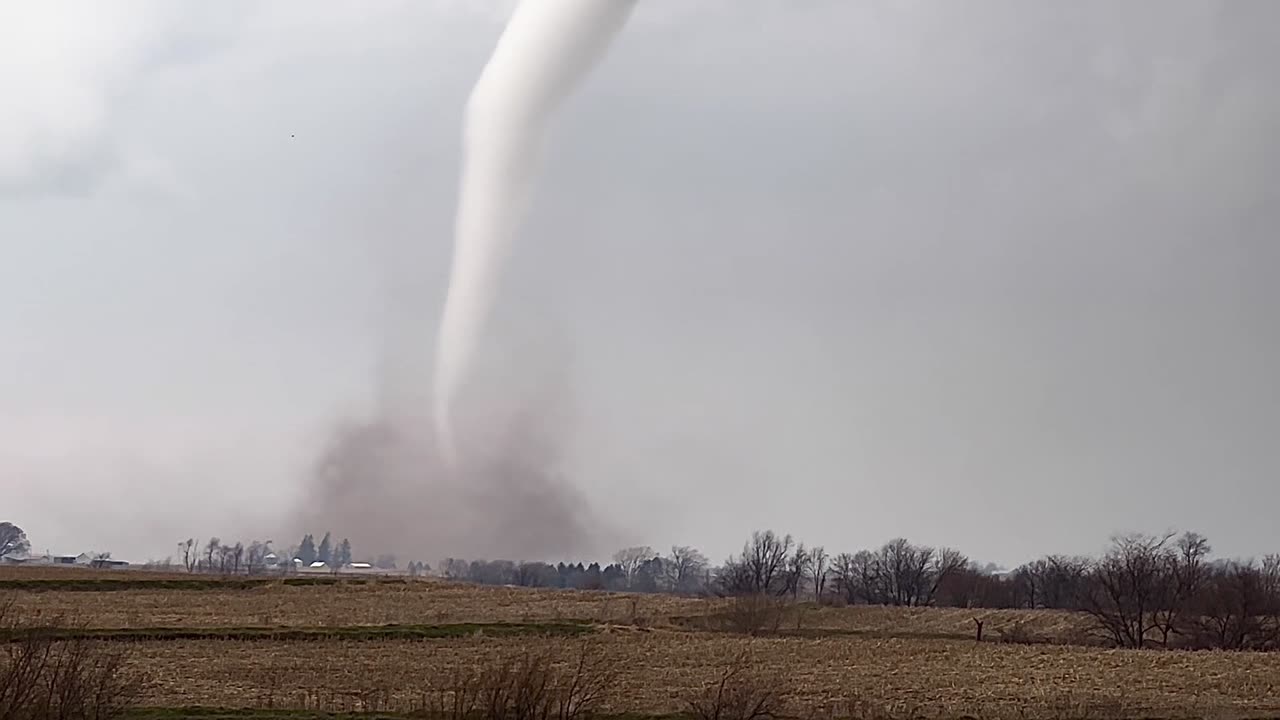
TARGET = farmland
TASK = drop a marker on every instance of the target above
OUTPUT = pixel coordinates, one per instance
(387, 645)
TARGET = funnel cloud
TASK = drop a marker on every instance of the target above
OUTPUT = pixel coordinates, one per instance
(547, 48)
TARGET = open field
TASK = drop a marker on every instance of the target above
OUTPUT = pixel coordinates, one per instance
(140, 601)
(811, 620)
(328, 646)
(843, 676)
(362, 601)
(30, 573)
(306, 634)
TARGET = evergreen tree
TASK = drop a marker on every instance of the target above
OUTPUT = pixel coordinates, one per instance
(307, 550)
(614, 578)
(592, 578)
(325, 553)
(342, 557)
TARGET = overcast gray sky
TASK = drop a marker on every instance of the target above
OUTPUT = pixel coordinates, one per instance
(994, 274)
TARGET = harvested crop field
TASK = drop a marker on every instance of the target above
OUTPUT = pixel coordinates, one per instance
(327, 602)
(362, 602)
(809, 620)
(935, 678)
(388, 645)
(55, 573)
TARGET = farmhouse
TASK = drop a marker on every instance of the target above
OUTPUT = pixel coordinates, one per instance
(81, 560)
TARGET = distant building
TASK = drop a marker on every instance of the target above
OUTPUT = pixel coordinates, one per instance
(320, 566)
(81, 560)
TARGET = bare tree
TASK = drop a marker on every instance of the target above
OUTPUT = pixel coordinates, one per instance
(844, 575)
(902, 569)
(630, 559)
(899, 573)
(1271, 574)
(974, 586)
(684, 568)
(799, 566)
(1054, 582)
(1237, 609)
(907, 574)
(818, 561)
(945, 564)
(762, 569)
(237, 557)
(226, 558)
(256, 556)
(211, 550)
(455, 569)
(1126, 587)
(1025, 584)
(190, 554)
(1184, 572)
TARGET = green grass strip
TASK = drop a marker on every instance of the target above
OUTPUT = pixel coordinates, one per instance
(296, 634)
(171, 584)
(197, 713)
(202, 713)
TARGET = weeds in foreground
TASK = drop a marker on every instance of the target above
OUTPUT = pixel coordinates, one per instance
(44, 677)
(738, 694)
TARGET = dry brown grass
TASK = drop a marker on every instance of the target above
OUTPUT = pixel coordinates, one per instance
(370, 602)
(837, 677)
(1047, 626)
(841, 663)
(354, 604)
(80, 572)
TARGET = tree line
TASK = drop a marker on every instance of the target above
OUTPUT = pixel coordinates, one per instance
(1144, 591)
(637, 569)
(258, 557)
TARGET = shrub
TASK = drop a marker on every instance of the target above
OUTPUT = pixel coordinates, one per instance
(43, 677)
(738, 694)
(755, 614)
(537, 685)
(1017, 633)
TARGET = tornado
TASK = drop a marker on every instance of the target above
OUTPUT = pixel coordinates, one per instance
(546, 50)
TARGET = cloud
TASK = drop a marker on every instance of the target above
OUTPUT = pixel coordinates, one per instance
(61, 68)
(65, 70)
(852, 270)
